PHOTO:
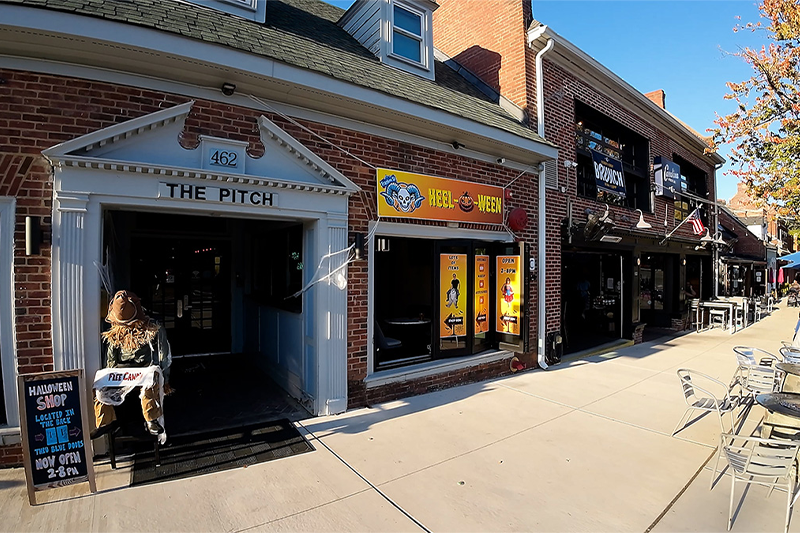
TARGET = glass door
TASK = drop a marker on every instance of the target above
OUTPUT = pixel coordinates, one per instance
(186, 284)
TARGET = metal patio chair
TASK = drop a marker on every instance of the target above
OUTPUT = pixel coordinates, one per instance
(748, 355)
(698, 397)
(757, 379)
(767, 462)
(790, 354)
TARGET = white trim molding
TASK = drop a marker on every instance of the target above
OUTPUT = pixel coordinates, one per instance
(8, 341)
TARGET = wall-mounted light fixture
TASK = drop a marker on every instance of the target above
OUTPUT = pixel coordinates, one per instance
(33, 235)
(683, 261)
(638, 261)
(358, 245)
(642, 224)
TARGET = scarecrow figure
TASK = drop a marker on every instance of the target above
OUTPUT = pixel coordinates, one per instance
(134, 341)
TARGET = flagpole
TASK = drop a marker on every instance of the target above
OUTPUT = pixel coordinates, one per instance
(678, 226)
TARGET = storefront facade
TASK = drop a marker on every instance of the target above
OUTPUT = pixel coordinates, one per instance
(629, 175)
(248, 218)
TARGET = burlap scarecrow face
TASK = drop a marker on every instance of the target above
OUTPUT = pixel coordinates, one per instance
(125, 309)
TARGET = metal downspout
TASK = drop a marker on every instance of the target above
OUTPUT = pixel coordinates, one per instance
(542, 249)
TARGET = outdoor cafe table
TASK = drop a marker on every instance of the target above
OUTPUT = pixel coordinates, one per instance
(783, 413)
(730, 306)
(791, 378)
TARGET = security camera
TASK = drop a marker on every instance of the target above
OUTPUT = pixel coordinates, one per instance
(501, 160)
(228, 89)
(570, 164)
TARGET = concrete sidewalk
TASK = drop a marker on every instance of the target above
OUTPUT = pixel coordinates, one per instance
(584, 446)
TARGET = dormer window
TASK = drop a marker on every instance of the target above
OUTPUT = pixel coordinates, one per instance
(397, 31)
(254, 10)
(408, 39)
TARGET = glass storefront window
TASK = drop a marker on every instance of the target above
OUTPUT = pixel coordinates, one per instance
(436, 299)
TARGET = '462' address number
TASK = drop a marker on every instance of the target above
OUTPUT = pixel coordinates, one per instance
(223, 158)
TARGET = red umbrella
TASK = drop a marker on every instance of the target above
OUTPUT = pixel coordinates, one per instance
(780, 276)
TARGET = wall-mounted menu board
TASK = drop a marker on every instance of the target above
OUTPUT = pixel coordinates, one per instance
(55, 443)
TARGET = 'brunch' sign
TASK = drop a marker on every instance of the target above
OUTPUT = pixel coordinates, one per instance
(409, 195)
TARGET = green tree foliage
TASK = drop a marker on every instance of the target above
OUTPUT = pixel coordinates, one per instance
(765, 128)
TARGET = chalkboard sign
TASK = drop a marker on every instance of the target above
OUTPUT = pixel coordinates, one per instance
(55, 442)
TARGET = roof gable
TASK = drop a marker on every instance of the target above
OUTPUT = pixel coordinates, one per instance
(151, 144)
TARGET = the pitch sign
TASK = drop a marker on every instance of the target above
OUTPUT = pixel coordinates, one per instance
(55, 443)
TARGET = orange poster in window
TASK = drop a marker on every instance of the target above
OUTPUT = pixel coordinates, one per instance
(409, 195)
(481, 294)
(452, 295)
(508, 294)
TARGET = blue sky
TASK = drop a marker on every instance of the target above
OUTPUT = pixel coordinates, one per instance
(680, 46)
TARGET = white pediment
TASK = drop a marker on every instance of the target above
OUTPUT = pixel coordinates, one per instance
(150, 144)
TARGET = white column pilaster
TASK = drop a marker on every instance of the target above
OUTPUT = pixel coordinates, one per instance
(333, 353)
(69, 307)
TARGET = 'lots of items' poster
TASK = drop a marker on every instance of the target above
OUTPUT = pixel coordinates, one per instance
(509, 277)
(481, 294)
(452, 306)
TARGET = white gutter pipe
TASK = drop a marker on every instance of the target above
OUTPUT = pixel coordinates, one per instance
(542, 251)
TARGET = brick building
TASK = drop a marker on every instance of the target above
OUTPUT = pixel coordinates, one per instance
(605, 272)
(746, 259)
(222, 159)
(762, 221)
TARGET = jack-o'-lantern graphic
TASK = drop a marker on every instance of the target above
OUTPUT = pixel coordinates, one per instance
(465, 202)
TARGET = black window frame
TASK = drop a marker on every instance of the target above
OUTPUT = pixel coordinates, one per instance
(594, 130)
(694, 181)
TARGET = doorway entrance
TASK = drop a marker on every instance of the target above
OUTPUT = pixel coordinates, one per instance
(593, 299)
(221, 288)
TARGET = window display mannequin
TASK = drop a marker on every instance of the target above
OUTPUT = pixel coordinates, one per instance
(134, 341)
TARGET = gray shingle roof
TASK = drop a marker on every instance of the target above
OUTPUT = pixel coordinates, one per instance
(302, 33)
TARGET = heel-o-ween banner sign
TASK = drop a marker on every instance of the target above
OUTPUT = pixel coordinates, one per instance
(409, 195)
(453, 295)
(508, 294)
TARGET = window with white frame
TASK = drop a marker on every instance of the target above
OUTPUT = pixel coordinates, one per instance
(249, 9)
(408, 35)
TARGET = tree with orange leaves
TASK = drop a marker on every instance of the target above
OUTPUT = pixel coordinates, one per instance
(765, 128)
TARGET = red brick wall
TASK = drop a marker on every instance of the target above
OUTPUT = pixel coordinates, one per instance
(747, 244)
(489, 38)
(10, 455)
(42, 110)
(561, 90)
(438, 382)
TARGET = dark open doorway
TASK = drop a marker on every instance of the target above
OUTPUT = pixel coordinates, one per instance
(210, 282)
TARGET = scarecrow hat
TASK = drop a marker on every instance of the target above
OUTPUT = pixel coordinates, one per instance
(125, 308)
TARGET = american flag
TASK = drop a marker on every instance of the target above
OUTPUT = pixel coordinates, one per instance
(697, 224)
